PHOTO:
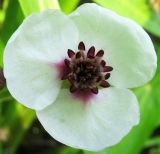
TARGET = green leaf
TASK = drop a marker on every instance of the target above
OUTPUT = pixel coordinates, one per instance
(30, 6)
(69, 150)
(15, 120)
(10, 24)
(152, 142)
(139, 10)
(68, 6)
(99, 152)
(23, 118)
(3, 11)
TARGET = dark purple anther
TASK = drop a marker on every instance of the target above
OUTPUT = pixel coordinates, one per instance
(91, 52)
(70, 53)
(104, 84)
(107, 69)
(100, 53)
(107, 76)
(81, 46)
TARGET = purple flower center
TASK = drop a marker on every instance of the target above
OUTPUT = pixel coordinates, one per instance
(86, 70)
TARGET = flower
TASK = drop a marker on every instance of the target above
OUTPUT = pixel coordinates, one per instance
(56, 63)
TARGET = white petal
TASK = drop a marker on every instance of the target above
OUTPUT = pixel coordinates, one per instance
(41, 41)
(128, 48)
(100, 123)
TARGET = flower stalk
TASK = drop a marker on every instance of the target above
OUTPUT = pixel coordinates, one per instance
(2, 79)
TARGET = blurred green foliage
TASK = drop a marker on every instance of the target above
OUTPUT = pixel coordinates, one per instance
(16, 120)
(142, 11)
(68, 5)
(30, 6)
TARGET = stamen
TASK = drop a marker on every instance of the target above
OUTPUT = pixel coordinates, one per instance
(107, 69)
(99, 79)
(100, 53)
(78, 55)
(103, 63)
(104, 84)
(70, 53)
(67, 62)
(91, 52)
(107, 76)
(94, 90)
(81, 46)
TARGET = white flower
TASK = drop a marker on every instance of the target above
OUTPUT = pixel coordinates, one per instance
(74, 111)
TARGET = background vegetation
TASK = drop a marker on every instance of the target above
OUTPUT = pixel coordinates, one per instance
(21, 133)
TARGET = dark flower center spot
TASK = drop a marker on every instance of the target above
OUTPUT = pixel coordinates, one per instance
(86, 71)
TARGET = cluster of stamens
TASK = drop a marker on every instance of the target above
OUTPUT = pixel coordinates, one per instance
(86, 71)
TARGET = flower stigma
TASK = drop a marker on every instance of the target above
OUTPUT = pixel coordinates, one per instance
(86, 71)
